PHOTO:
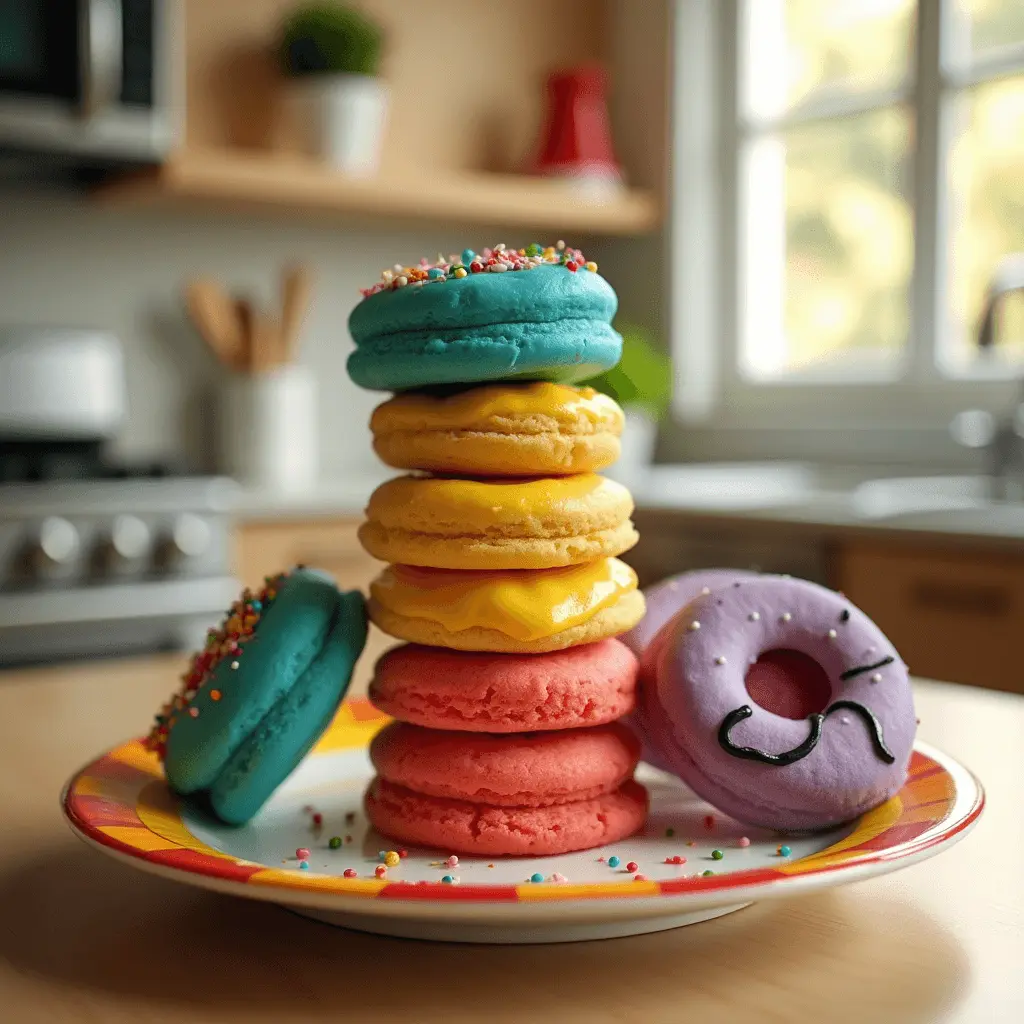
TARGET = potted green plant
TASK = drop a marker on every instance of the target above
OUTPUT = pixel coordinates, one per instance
(332, 53)
(641, 383)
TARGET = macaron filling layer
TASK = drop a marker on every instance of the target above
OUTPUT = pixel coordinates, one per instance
(524, 605)
(534, 408)
(459, 507)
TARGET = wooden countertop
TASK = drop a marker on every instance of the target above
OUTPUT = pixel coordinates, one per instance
(83, 938)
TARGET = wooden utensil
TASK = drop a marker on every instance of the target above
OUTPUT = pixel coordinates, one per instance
(296, 293)
(215, 317)
(260, 332)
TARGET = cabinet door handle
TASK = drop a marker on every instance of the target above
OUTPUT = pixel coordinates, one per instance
(989, 600)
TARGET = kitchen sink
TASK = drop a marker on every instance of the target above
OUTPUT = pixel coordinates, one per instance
(958, 504)
(897, 496)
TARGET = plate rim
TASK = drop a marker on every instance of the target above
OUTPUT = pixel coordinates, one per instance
(202, 866)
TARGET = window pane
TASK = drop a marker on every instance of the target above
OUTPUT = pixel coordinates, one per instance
(987, 211)
(798, 48)
(984, 25)
(828, 248)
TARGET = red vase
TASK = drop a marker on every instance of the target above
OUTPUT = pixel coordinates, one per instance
(577, 137)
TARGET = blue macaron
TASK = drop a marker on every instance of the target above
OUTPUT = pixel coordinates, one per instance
(550, 323)
(261, 692)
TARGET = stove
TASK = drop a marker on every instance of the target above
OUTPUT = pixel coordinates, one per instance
(99, 558)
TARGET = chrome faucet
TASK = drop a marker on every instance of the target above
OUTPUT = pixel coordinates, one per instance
(1002, 441)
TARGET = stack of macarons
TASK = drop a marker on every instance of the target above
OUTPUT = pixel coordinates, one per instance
(502, 544)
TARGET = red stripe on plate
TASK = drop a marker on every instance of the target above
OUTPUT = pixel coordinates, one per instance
(734, 878)
(192, 860)
(438, 891)
(98, 811)
(896, 835)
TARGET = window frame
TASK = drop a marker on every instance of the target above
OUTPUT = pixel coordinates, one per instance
(706, 222)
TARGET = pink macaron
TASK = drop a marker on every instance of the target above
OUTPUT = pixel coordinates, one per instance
(469, 828)
(780, 703)
(469, 692)
(526, 770)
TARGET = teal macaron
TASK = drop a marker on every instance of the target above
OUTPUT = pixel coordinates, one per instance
(550, 323)
(261, 692)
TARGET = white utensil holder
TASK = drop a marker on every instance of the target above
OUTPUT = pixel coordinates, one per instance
(269, 429)
(639, 437)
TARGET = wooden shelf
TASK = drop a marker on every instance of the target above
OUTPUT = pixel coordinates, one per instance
(290, 186)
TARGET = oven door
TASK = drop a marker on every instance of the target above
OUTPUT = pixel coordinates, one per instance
(88, 78)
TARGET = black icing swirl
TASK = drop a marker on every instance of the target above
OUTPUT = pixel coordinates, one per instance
(816, 721)
(852, 673)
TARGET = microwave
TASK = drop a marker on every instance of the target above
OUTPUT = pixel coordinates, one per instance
(89, 82)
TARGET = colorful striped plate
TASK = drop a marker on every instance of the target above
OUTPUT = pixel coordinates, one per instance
(120, 804)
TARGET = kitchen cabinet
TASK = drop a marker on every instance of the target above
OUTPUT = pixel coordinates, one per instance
(265, 547)
(955, 615)
(671, 544)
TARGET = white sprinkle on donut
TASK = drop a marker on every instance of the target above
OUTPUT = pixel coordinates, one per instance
(693, 626)
(786, 617)
(705, 590)
(720, 660)
(877, 677)
(754, 616)
(832, 634)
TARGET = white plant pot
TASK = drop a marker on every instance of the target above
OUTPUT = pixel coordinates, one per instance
(269, 436)
(342, 120)
(639, 437)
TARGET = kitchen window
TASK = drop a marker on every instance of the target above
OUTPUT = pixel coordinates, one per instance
(848, 178)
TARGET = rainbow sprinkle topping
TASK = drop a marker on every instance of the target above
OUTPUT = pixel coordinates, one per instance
(498, 260)
(238, 629)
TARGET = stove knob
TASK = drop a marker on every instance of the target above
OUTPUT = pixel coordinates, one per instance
(129, 540)
(191, 536)
(56, 546)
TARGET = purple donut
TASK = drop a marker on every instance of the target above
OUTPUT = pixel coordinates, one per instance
(781, 704)
(664, 600)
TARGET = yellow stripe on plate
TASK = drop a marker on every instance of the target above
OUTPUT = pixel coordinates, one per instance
(138, 838)
(88, 785)
(332, 883)
(136, 755)
(158, 809)
(531, 891)
(346, 733)
(870, 826)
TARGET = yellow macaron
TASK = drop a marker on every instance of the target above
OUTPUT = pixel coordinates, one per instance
(534, 429)
(448, 523)
(517, 612)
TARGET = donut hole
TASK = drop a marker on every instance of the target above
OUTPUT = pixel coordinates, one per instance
(788, 683)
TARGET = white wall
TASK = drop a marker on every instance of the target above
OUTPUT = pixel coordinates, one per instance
(64, 261)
